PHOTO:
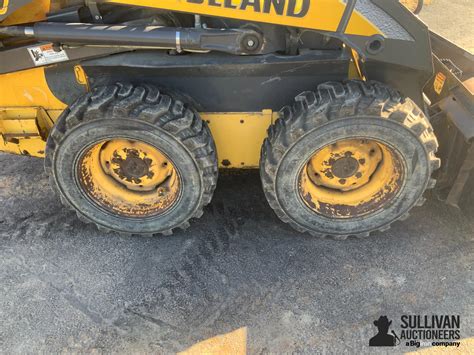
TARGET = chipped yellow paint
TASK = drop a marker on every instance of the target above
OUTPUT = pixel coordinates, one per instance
(24, 146)
(26, 96)
(239, 136)
(115, 151)
(23, 130)
(233, 343)
(367, 156)
(151, 191)
(18, 122)
(375, 180)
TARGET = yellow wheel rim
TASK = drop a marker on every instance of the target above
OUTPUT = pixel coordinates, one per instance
(129, 178)
(351, 178)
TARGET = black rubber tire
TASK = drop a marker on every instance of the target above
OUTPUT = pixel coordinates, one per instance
(340, 111)
(142, 113)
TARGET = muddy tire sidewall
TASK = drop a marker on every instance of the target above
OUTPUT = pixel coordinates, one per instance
(397, 137)
(65, 169)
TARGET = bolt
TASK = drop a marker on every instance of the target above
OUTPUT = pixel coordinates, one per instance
(162, 191)
(251, 43)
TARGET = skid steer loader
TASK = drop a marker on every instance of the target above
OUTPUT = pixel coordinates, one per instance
(135, 105)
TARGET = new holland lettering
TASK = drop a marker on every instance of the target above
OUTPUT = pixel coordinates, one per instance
(266, 6)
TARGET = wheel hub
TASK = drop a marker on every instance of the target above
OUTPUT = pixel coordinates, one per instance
(345, 167)
(135, 165)
(129, 177)
(132, 168)
(350, 178)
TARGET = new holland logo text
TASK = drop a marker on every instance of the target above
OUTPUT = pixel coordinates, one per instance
(293, 8)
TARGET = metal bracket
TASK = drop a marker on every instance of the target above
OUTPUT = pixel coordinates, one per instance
(456, 192)
(94, 10)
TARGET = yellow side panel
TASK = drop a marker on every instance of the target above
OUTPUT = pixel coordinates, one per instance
(32, 12)
(18, 121)
(322, 15)
(27, 88)
(239, 136)
(34, 146)
(23, 130)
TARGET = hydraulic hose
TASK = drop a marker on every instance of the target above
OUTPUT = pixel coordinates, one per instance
(419, 7)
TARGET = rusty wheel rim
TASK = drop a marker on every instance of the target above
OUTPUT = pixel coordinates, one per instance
(129, 178)
(351, 178)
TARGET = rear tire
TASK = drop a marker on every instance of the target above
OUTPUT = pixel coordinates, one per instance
(169, 169)
(387, 127)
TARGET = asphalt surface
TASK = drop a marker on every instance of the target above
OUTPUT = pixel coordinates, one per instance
(64, 286)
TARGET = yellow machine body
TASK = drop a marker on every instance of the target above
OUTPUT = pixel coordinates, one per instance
(324, 15)
(28, 109)
(113, 88)
(27, 103)
(32, 12)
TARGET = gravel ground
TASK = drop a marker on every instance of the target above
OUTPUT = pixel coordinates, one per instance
(452, 19)
(64, 286)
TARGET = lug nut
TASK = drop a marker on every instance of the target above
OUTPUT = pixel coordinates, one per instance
(162, 191)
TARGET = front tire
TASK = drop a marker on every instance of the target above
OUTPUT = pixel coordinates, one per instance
(348, 159)
(133, 160)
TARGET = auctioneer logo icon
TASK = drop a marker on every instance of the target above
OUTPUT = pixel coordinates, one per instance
(382, 338)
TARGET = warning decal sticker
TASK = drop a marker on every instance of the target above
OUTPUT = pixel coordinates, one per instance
(439, 83)
(46, 54)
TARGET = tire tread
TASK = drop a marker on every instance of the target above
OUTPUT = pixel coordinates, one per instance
(332, 101)
(145, 103)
